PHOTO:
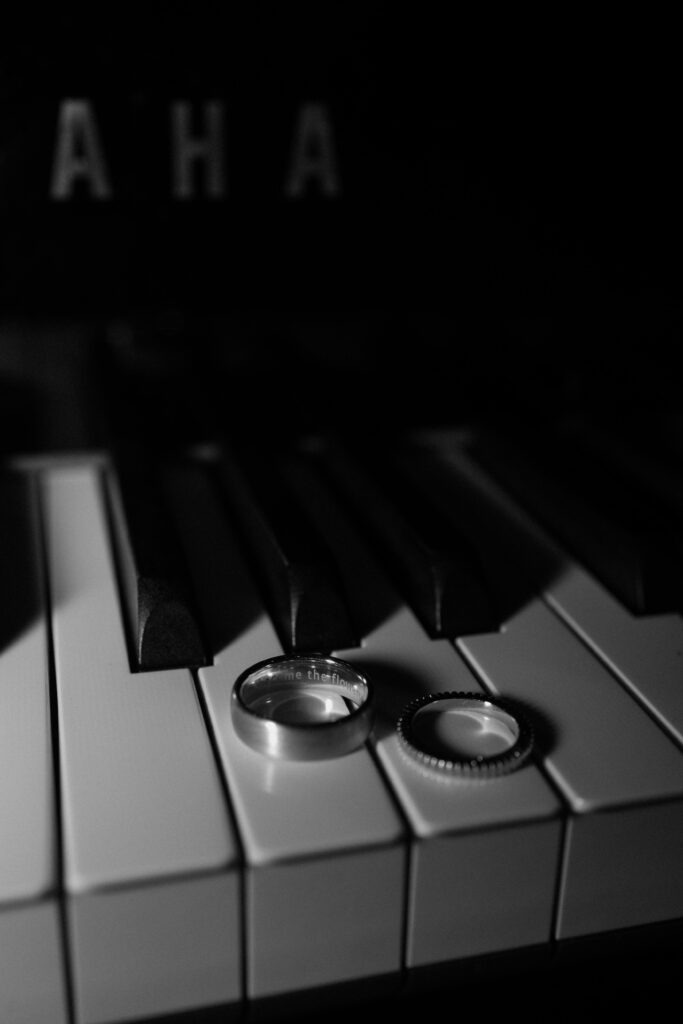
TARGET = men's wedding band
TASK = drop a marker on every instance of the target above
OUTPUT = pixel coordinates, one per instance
(302, 707)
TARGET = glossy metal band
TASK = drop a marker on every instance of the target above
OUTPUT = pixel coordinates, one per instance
(302, 707)
(497, 726)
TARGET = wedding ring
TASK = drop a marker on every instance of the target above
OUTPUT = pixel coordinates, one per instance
(302, 707)
(469, 735)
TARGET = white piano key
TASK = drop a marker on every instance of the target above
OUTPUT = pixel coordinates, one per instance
(27, 812)
(32, 983)
(322, 840)
(646, 653)
(151, 950)
(141, 796)
(485, 856)
(32, 980)
(622, 776)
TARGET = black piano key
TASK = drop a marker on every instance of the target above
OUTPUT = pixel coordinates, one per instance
(19, 600)
(372, 600)
(298, 575)
(641, 454)
(646, 517)
(513, 569)
(431, 562)
(598, 515)
(163, 627)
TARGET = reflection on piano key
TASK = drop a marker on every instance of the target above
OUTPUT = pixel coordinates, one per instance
(149, 949)
(485, 855)
(32, 983)
(322, 841)
(159, 609)
(141, 799)
(301, 582)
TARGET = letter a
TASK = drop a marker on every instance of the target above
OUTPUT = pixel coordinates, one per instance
(313, 158)
(78, 153)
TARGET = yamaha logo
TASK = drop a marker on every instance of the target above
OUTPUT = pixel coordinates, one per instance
(197, 147)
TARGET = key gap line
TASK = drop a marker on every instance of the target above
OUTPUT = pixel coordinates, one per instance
(624, 685)
(535, 757)
(407, 843)
(560, 883)
(36, 491)
(566, 812)
(242, 866)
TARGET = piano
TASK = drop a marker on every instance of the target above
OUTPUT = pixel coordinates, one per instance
(155, 866)
(428, 424)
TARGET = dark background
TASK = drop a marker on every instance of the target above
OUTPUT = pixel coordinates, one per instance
(507, 233)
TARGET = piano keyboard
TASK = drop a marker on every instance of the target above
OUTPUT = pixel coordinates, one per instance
(153, 865)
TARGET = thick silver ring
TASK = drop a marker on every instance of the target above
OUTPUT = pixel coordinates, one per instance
(302, 707)
(469, 735)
